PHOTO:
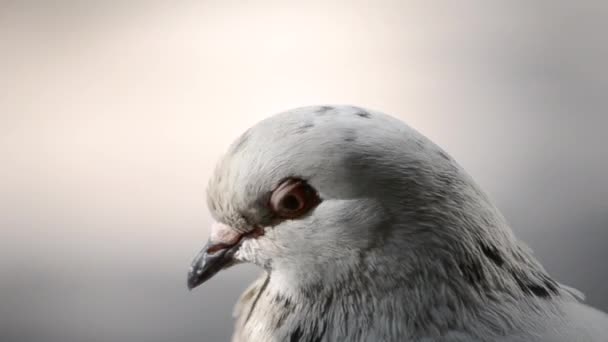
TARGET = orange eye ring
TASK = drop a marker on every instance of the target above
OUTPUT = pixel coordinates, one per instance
(293, 198)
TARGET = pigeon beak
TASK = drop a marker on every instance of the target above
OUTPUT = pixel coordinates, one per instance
(208, 262)
(217, 254)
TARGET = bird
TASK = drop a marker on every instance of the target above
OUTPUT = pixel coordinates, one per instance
(366, 230)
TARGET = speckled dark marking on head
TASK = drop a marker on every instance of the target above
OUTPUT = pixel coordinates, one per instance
(304, 128)
(323, 110)
(363, 114)
(492, 253)
(350, 136)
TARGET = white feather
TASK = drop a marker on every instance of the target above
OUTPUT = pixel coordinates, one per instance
(404, 246)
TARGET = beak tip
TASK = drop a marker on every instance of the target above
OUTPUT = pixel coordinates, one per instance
(193, 280)
(207, 264)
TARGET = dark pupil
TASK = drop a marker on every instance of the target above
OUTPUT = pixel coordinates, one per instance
(290, 202)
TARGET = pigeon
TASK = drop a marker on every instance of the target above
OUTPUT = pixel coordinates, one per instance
(368, 231)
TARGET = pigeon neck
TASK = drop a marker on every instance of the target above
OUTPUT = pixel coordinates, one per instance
(422, 301)
(432, 287)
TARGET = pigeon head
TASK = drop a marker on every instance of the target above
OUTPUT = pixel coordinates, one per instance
(315, 193)
(368, 232)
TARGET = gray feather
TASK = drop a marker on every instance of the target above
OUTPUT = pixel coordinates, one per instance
(404, 247)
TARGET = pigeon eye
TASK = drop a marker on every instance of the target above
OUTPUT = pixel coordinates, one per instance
(293, 198)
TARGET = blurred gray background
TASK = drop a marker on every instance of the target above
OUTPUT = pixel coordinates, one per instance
(112, 115)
